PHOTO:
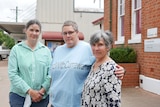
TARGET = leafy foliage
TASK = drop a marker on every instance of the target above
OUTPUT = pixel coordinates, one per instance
(6, 40)
(123, 54)
(2, 38)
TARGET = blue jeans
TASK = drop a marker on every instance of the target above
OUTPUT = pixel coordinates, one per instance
(17, 101)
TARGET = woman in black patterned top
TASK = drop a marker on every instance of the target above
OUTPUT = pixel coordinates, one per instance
(102, 88)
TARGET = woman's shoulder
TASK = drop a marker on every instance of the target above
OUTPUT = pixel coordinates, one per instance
(17, 45)
(84, 43)
(110, 63)
(42, 45)
(84, 46)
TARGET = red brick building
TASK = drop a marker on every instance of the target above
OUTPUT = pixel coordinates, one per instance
(137, 23)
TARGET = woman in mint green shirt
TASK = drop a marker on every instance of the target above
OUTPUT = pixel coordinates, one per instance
(28, 67)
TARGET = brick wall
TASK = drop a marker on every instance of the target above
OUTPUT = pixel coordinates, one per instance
(149, 62)
(150, 19)
(131, 78)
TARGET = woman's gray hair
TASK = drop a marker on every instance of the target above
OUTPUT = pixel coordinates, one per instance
(71, 23)
(105, 35)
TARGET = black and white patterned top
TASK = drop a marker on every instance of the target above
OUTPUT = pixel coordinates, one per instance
(102, 88)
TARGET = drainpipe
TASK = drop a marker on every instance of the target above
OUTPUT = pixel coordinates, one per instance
(100, 25)
(110, 16)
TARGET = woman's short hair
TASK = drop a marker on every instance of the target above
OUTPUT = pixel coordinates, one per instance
(71, 23)
(105, 35)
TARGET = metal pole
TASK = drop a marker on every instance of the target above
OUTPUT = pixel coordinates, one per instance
(99, 3)
(110, 18)
(16, 13)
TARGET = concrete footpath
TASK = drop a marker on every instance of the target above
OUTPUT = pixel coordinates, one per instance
(131, 97)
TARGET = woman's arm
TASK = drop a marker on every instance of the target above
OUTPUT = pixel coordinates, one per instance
(13, 71)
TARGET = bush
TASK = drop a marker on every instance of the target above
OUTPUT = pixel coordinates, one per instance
(123, 54)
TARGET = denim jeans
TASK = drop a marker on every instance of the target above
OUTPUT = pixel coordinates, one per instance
(17, 101)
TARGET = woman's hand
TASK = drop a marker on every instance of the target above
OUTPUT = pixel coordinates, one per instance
(35, 95)
(120, 71)
(42, 91)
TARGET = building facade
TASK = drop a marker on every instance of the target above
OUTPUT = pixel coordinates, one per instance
(136, 23)
(52, 14)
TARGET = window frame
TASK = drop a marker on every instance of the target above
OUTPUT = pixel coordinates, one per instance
(135, 37)
(120, 27)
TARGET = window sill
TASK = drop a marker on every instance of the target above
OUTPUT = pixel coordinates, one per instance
(132, 41)
(119, 42)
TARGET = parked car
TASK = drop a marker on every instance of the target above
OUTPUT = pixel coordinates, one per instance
(4, 53)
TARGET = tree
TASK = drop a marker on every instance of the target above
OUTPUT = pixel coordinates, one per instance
(6, 40)
(9, 42)
(2, 38)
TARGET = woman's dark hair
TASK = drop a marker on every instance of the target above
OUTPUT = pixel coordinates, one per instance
(31, 22)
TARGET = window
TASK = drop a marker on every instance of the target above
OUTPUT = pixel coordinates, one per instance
(138, 17)
(136, 22)
(121, 13)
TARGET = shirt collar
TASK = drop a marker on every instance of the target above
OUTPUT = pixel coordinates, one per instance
(38, 46)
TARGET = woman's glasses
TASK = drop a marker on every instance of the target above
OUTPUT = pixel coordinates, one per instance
(69, 33)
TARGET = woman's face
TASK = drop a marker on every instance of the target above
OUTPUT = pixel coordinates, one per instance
(99, 49)
(70, 36)
(33, 32)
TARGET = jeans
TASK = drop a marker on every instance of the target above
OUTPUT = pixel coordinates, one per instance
(17, 101)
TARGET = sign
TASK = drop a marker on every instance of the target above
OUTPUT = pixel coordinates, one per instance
(152, 32)
(152, 45)
(89, 6)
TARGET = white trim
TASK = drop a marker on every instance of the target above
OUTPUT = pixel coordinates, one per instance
(132, 41)
(119, 42)
(135, 38)
(120, 38)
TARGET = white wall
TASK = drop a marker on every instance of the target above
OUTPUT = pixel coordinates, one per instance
(150, 84)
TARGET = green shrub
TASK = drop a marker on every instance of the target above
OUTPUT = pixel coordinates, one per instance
(123, 54)
(6, 40)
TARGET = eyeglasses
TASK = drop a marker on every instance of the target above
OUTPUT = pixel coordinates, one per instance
(69, 33)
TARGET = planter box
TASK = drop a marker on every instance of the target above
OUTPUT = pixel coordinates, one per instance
(131, 78)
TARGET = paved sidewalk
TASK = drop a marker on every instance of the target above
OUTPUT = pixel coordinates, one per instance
(131, 97)
(4, 84)
(137, 97)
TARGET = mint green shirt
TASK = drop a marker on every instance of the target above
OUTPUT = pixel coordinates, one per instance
(29, 68)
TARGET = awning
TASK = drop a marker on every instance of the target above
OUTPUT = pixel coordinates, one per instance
(15, 29)
(49, 35)
(98, 21)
